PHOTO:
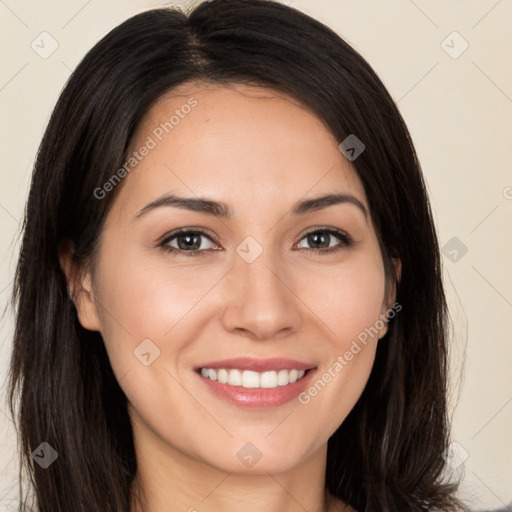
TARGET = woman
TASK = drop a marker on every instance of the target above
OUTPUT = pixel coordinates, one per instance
(182, 342)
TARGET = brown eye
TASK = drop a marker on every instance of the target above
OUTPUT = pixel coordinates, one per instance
(324, 240)
(187, 241)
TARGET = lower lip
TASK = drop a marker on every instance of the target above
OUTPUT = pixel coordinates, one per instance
(259, 398)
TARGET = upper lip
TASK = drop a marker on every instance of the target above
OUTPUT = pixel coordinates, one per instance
(257, 365)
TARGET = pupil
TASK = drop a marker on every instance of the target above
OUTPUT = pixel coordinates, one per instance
(196, 243)
(313, 238)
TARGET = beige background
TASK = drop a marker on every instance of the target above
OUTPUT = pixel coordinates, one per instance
(459, 111)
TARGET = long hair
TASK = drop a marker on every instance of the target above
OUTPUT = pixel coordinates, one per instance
(388, 453)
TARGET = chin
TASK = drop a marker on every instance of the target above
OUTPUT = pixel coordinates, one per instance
(247, 458)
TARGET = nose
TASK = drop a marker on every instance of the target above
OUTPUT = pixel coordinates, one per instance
(260, 299)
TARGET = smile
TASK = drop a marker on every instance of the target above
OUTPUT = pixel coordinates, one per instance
(253, 383)
(251, 379)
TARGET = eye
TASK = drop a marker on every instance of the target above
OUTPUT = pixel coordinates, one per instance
(187, 241)
(321, 240)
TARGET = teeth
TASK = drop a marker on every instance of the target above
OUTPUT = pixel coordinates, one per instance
(268, 380)
(250, 379)
(282, 377)
(222, 376)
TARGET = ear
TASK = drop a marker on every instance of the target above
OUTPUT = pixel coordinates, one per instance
(391, 294)
(397, 263)
(79, 285)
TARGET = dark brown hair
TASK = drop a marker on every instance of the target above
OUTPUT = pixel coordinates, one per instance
(388, 453)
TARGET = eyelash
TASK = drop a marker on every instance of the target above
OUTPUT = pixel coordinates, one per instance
(346, 241)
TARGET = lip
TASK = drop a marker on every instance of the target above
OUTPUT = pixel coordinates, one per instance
(258, 398)
(257, 365)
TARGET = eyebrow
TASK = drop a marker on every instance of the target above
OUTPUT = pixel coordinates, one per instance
(222, 210)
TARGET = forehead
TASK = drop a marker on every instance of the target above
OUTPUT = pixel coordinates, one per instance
(252, 145)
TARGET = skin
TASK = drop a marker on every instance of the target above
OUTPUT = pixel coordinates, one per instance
(260, 152)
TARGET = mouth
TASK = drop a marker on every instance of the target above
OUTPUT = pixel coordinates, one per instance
(254, 383)
(250, 380)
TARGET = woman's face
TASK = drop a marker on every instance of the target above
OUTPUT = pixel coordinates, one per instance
(269, 286)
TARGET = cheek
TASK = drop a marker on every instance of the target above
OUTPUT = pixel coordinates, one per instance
(143, 297)
(350, 306)
(348, 298)
(147, 299)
